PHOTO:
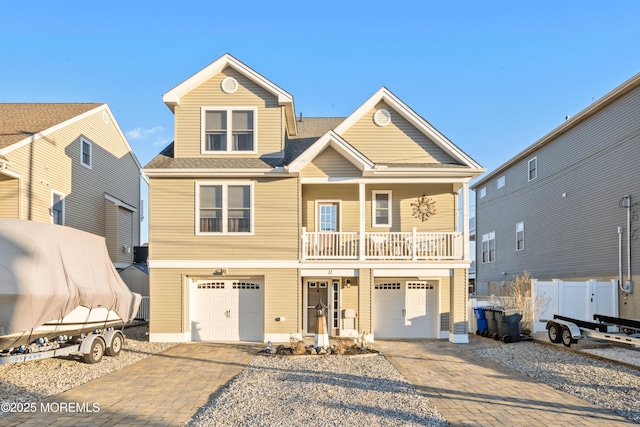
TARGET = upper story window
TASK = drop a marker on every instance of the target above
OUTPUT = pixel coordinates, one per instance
(489, 247)
(533, 168)
(483, 192)
(227, 130)
(501, 181)
(520, 236)
(57, 208)
(86, 155)
(381, 209)
(224, 208)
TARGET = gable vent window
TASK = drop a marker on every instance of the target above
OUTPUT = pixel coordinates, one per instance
(229, 85)
(382, 117)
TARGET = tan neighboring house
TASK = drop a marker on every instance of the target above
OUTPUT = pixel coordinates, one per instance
(70, 164)
(257, 216)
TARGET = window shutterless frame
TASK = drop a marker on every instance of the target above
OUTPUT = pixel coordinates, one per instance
(489, 247)
(57, 207)
(381, 209)
(228, 130)
(86, 153)
(520, 236)
(532, 167)
(224, 208)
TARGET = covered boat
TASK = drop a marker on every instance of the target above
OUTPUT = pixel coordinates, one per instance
(56, 280)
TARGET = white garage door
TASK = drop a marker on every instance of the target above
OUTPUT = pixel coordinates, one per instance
(405, 309)
(227, 310)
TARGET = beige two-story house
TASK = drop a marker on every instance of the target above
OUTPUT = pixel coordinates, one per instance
(258, 215)
(70, 164)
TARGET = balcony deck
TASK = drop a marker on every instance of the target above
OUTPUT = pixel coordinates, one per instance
(411, 246)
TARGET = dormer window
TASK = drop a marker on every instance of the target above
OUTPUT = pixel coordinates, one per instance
(228, 130)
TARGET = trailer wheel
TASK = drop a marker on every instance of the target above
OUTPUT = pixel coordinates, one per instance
(555, 333)
(567, 339)
(115, 347)
(95, 352)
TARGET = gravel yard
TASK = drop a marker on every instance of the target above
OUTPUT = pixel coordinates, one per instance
(602, 383)
(319, 391)
(35, 380)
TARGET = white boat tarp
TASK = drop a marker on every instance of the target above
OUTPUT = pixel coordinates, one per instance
(48, 270)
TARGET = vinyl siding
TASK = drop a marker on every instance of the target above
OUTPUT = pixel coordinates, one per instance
(167, 296)
(169, 299)
(330, 163)
(398, 142)
(349, 295)
(9, 197)
(365, 284)
(172, 222)
(445, 303)
(111, 228)
(595, 165)
(403, 195)
(270, 139)
(125, 235)
(53, 163)
(458, 317)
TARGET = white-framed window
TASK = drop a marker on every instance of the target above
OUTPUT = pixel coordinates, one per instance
(501, 181)
(381, 209)
(483, 192)
(229, 129)
(489, 247)
(224, 208)
(520, 236)
(57, 207)
(86, 153)
(533, 168)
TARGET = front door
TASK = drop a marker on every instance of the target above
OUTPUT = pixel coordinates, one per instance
(317, 291)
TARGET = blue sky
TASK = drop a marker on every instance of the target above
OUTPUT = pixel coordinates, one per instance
(492, 76)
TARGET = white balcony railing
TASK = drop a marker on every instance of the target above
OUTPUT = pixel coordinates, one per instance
(410, 245)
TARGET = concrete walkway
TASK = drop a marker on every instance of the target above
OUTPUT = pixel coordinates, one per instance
(469, 390)
(167, 389)
(162, 390)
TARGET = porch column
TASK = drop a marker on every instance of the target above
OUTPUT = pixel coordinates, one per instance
(361, 200)
(465, 221)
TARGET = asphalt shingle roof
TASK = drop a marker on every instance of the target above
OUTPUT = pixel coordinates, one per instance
(20, 121)
(309, 130)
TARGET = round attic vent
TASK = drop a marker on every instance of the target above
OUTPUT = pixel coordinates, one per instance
(105, 117)
(229, 85)
(382, 117)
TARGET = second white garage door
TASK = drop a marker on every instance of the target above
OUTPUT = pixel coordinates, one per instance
(227, 310)
(405, 309)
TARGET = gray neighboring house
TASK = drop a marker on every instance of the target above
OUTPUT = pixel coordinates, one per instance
(555, 208)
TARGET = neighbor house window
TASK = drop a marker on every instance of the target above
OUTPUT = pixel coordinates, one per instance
(489, 247)
(381, 209)
(533, 168)
(228, 130)
(501, 181)
(86, 153)
(57, 208)
(224, 208)
(483, 192)
(520, 236)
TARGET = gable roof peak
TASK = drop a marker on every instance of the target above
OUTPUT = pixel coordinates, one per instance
(173, 97)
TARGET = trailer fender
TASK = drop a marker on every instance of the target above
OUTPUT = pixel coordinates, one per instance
(114, 340)
(85, 347)
(575, 330)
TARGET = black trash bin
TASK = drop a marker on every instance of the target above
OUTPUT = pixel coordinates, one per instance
(492, 325)
(511, 324)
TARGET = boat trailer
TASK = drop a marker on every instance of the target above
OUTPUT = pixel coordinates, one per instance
(569, 331)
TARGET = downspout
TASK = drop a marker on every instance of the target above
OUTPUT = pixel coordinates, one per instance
(620, 259)
(627, 287)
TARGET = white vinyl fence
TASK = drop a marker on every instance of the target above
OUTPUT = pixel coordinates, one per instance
(579, 300)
